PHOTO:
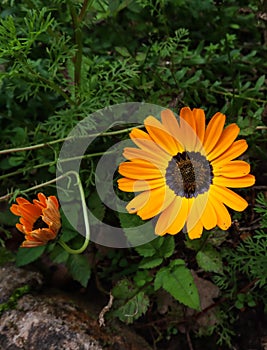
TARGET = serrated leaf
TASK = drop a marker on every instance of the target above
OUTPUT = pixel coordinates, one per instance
(150, 262)
(124, 289)
(209, 259)
(136, 229)
(150, 248)
(178, 281)
(130, 220)
(133, 308)
(167, 248)
(79, 268)
(28, 255)
(59, 255)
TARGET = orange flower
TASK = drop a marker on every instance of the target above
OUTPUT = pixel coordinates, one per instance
(39, 221)
(183, 169)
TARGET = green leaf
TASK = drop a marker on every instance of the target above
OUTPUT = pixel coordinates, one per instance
(122, 51)
(27, 255)
(259, 82)
(177, 280)
(79, 268)
(129, 304)
(167, 248)
(59, 255)
(132, 225)
(150, 248)
(162, 247)
(16, 160)
(133, 308)
(123, 289)
(150, 262)
(209, 259)
(142, 277)
(96, 206)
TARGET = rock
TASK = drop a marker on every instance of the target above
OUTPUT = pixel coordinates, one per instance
(12, 278)
(45, 323)
(52, 320)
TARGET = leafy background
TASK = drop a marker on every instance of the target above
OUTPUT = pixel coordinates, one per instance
(61, 61)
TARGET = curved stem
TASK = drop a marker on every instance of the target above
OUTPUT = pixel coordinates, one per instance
(85, 217)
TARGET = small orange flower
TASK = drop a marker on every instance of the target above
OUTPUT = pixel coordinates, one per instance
(39, 221)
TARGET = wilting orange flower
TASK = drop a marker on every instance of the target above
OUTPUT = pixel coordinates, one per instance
(183, 170)
(39, 221)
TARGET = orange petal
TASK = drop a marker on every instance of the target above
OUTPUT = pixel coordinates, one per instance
(237, 148)
(187, 115)
(172, 219)
(32, 244)
(197, 206)
(140, 170)
(30, 212)
(145, 142)
(20, 227)
(235, 168)
(159, 199)
(223, 217)
(54, 200)
(170, 122)
(209, 217)
(160, 159)
(139, 134)
(138, 202)
(188, 134)
(227, 138)
(43, 234)
(228, 197)
(21, 200)
(196, 231)
(15, 209)
(213, 131)
(51, 216)
(199, 116)
(131, 185)
(238, 182)
(160, 135)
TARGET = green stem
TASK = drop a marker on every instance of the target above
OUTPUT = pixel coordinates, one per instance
(49, 143)
(21, 171)
(232, 94)
(86, 5)
(85, 217)
(78, 41)
(50, 83)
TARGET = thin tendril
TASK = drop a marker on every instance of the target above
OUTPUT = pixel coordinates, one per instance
(85, 217)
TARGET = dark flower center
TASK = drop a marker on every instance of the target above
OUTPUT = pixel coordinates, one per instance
(39, 223)
(189, 174)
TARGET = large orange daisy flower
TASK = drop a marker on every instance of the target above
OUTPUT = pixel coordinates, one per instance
(39, 221)
(183, 170)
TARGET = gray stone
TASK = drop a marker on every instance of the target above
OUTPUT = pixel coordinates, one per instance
(53, 320)
(12, 278)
